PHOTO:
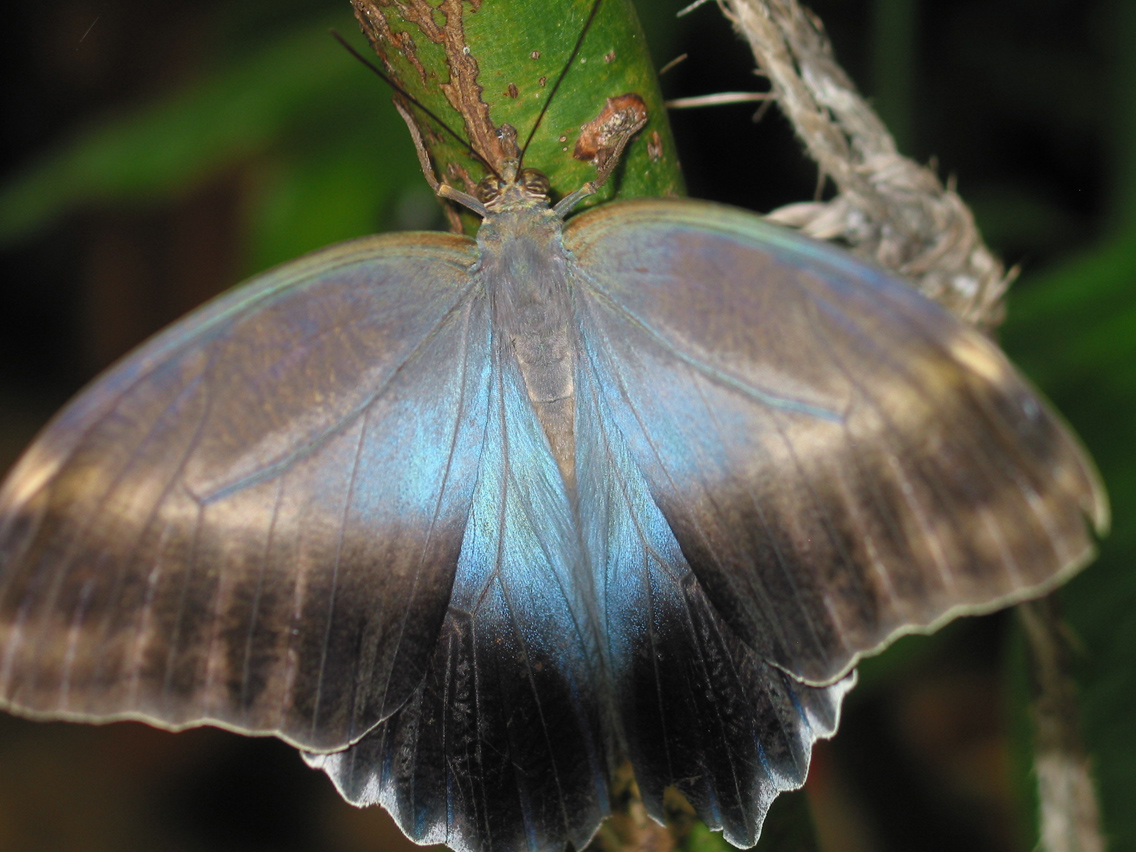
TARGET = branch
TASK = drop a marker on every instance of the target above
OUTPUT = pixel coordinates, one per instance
(888, 207)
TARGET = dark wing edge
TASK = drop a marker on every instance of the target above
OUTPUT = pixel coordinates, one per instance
(163, 542)
(795, 409)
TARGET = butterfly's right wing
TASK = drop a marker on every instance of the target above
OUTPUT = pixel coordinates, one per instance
(801, 458)
(254, 520)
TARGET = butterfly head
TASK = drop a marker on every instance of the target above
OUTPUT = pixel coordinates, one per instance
(513, 187)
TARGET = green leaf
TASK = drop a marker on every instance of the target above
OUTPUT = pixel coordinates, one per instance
(168, 147)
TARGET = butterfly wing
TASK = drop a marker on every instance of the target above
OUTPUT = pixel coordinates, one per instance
(254, 520)
(504, 746)
(267, 517)
(809, 459)
(840, 460)
(697, 709)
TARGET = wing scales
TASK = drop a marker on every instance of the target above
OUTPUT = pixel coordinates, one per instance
(197, 538)
(873, 466)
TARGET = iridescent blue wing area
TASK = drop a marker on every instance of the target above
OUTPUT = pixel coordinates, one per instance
(254, 520)
(503, 747)
(839, 460)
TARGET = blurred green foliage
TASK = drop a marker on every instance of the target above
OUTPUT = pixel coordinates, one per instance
(285, 108)
(1028, 104)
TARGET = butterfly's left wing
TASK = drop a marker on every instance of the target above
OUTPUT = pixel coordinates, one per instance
(322, 507)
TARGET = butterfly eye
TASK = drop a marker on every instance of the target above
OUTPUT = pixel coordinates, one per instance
(535, 183)
(489, 188)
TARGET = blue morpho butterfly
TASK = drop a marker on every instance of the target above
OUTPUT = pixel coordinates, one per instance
(469, 521)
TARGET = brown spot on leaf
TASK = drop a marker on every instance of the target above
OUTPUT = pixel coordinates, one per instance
(512, 91)
(534, 55)
(609, 57)
(655, 146)
(602, 136)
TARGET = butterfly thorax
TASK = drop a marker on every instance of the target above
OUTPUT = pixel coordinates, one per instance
(525, 270)
(514, 188)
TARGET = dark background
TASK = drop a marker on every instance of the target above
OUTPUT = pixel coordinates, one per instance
(155, 153)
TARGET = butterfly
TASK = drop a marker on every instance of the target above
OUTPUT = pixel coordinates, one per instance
(468, 521)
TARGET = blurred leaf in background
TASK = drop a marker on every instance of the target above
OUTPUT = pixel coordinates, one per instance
(155, 154)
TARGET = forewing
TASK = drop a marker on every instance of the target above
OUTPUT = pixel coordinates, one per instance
(504, 746)
(839, 460)
(255, 519)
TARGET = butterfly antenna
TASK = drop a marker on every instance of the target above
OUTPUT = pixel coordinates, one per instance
(413, 100)
(563, 74)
